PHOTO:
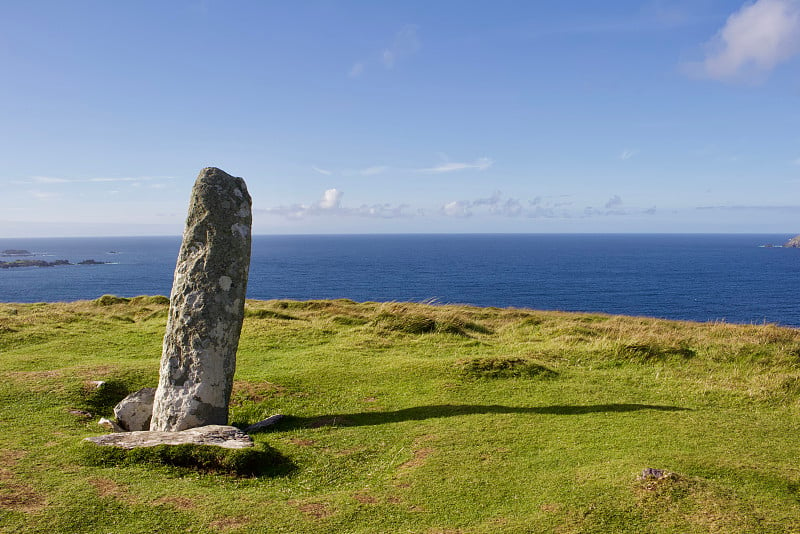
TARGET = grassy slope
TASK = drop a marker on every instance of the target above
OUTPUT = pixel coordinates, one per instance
(416, 418)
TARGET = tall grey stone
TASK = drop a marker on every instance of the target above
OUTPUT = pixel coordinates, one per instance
(206, 306)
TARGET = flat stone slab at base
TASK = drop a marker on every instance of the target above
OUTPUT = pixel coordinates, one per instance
(228, 437)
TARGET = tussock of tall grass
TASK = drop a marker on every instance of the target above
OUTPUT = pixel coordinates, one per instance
(747, 359)
(504, 367)
(589, 334)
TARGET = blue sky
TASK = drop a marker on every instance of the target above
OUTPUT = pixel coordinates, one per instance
(364, 117)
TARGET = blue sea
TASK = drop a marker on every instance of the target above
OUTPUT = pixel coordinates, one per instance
(719, 277)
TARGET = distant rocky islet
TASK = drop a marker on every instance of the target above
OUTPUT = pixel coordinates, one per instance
(16, 252)
(20, 253)
(793, 242)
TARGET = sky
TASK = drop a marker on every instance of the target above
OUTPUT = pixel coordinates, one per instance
(402, 117)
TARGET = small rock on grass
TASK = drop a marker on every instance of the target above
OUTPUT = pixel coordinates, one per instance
(266, 423)
(110, 425)
(134, 411)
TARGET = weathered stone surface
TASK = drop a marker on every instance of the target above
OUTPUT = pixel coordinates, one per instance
(793, 242)
(110, 425)
(222, 436)
(206, 306)
(266, 423)
(134, 411)
(651, 473)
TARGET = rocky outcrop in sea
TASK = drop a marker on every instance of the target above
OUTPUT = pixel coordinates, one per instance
(15, 252)
(793, 242)
(42, 263)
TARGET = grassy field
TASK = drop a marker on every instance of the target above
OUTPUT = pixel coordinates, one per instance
(416, 418)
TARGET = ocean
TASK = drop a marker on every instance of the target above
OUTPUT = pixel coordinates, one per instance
(715, 277)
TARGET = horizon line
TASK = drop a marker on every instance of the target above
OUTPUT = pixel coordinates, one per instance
(355, 234)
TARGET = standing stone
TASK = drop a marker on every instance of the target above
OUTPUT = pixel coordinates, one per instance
(206, 306)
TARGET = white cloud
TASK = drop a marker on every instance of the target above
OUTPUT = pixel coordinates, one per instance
(797, 161)
(44, 195)
(754, 40)
(538, 208)
(497, 205)
(324, 172)
(457, 208)
(48, 180)
(480, 164)
(788, 207)
(331, 205)
(382, 211)
(107, 180)
(372, 171)
(58, 180)
(332, 199)
(627, 154)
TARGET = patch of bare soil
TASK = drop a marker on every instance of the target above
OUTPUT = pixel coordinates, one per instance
(9, 457)
(106, 487)
(420, 455)
(33, 376)
(16, 495)
(20, 497)
(364, 498)
(302, 442)
(255, 392)
(348, 451)
(315, 510)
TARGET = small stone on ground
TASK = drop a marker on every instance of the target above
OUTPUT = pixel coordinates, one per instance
(266, 423)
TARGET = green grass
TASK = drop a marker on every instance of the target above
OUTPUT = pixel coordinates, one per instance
(411, 418)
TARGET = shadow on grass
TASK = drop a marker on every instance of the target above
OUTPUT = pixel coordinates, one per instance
(259, 461)
(450, 410)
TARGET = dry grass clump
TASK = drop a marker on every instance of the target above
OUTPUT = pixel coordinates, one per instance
(410, 318)
(504, 367)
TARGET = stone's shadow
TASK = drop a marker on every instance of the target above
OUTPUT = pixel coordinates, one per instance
(420, 413)
(258, 461)
(272, 464)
